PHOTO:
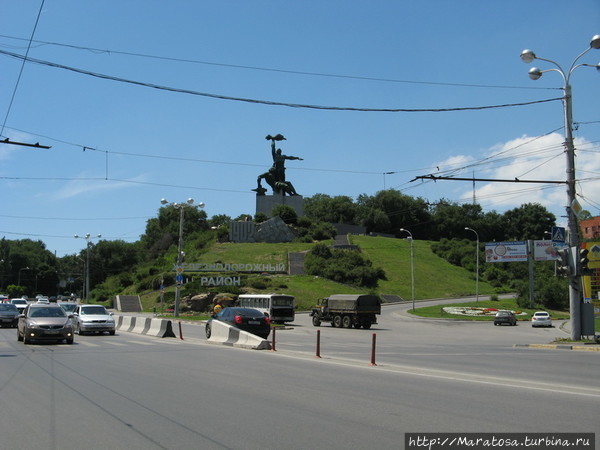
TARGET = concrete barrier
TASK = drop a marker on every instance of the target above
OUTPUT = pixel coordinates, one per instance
(160, 328)
(141, 325)
(224, 334)
(145, 325)
(127, 323)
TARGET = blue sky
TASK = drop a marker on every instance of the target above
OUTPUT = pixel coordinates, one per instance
(119, 147)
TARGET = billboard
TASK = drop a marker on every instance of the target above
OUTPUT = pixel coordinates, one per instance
(505, 251)
(547, 250)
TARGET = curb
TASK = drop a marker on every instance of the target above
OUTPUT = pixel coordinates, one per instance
(581, 348)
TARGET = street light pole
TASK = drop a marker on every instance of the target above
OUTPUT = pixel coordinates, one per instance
(573, 233)
(88, 237)
(19, 277)
(180, 206)
(477, 264)
(412, 266)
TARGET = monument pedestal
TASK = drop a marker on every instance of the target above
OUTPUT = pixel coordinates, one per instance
(266, 203)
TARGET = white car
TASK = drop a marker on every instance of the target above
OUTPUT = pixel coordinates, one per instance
(541, 319)
(20, 303)
(93, 319)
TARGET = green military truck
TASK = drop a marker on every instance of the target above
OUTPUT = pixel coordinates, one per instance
(347, 310)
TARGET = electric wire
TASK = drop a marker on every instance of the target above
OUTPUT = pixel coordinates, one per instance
(14, 93)
(270, 69)
(273, 103)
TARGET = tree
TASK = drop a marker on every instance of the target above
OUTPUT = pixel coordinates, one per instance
(219, 220)
(339, 209)
(112, 257)
(343, 266)
(163, 231)
(286, 212)
(451, 218)
(402, 211)
(30, 263)
(528, 221)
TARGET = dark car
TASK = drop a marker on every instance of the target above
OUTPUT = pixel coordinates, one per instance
(9, 314)
(505, 317)
(246, 319)
(44, 321)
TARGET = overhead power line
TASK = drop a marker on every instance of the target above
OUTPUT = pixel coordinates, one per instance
(268, 102)
(276, 70)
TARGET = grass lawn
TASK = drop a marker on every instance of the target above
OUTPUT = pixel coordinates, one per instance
(523, 314)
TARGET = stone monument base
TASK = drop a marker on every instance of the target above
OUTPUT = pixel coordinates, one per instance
(266, 203)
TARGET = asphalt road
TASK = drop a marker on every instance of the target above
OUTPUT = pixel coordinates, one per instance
(137, 392)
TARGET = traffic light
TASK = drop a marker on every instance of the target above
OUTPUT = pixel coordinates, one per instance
(583, 262)
(564, 265)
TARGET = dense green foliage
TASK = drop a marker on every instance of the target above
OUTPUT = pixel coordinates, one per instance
(550, 291)
(388, 211)
(343, 266)
(27, 267)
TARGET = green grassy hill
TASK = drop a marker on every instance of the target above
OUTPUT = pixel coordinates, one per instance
(434, 277)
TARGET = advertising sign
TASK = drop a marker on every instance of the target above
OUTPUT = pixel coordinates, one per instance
(505, 251)
(547, 250)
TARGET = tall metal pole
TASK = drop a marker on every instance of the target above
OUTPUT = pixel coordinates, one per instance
(86, 288)
(572, 227)
(412, 270)
(412, 266)
(180, 206)
(179, 260)
(476, 264)
(87, 272)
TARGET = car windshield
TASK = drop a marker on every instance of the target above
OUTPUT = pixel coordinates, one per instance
(93, 310)
(19, 302)
(69, 307)
(47, 312)
(246, 312)
(7, 307)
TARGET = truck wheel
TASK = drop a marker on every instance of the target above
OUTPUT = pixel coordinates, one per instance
(366, 325)
(316, 321)
(356, 325)
(346, 322)
(337, 321)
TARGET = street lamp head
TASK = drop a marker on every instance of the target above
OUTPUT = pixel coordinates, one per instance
(163, 201)
(595, 43)
(527, 56)
(408, 232)
(190, 201)
(201, 205)
(535, 73)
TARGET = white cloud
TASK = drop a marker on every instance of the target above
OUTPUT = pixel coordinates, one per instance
(75, 188)
(529, 158)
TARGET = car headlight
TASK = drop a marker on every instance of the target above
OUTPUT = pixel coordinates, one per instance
(32, 324)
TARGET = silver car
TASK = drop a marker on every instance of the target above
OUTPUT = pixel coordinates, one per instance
(42, 321)
(541, 319)
(93, 319)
